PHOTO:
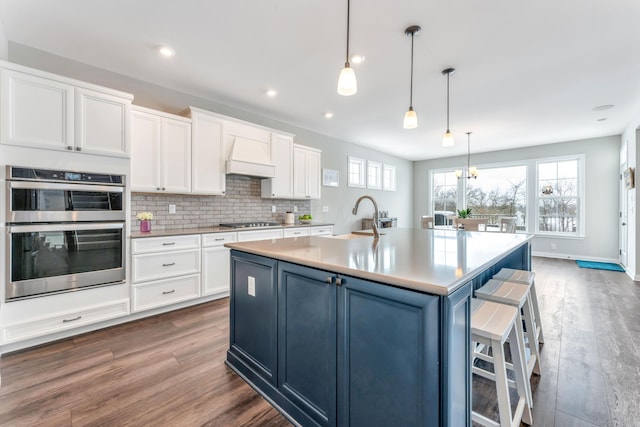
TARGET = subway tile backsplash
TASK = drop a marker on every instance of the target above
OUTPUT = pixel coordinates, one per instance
(242, 203)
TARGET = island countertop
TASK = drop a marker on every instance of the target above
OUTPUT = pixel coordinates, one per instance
(427, 260)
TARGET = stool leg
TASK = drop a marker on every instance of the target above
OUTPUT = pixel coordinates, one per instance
(516, 345)
(502, 387)
(536, 311)
(531, 334)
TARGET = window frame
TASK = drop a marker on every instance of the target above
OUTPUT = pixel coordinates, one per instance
(391, 169)
(361, 176)
(377, 184)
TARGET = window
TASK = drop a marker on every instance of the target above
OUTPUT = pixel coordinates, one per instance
(445, 189)
(357, 177)
(498, 192)
(559, 196)
(389, 178)
(374, 175)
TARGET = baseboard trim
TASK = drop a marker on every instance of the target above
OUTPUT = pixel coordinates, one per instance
(570, 256)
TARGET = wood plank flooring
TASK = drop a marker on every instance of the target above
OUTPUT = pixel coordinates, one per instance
(169, 370)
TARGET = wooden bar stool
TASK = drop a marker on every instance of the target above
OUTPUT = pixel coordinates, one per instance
(492, 325)
(527, 278)
(516, 295)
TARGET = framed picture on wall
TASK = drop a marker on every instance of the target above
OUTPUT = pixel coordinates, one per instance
(330, 178)
(628, 178)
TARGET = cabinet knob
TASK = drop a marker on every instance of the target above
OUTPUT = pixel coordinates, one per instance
(340, 281)
(329, 279)
(158, 188)
(69, 147)
(162, 188)
(78, 149)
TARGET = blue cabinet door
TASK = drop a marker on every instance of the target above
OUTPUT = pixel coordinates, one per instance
(388, 356)
(253, 313)
(307, 340)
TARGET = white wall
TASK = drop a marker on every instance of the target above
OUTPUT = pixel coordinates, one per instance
(339, 200)
(601, 193)
(630, 138)
(4, 43)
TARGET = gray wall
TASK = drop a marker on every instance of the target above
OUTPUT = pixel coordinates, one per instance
(601, 193)
(339, 201)
(4, 43)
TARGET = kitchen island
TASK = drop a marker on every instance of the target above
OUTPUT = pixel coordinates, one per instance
(356, 331)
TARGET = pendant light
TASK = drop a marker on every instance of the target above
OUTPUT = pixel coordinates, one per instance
(347, 84)
(472, 171)
(448, 141)
(410, 117)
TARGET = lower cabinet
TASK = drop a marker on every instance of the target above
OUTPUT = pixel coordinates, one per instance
(216, 273)
(349, 352)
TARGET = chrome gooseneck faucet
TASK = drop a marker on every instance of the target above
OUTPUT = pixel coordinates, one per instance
(376, 213)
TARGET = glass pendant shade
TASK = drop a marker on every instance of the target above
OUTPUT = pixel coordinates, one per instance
(347, 84)
(410, 119)
(473, 172)
(448, 141)
(458, 173)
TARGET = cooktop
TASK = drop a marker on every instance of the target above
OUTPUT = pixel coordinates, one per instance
(250, 224)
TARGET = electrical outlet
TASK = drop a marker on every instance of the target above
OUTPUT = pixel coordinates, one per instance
(295, 208)
(553, 246)
(172, 209)
(273, 209)
(251, 285)
(325, 209)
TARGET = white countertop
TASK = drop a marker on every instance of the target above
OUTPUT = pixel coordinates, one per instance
(431, 261)
(217, 229)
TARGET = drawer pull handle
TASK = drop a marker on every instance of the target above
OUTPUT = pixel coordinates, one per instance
(168, 292)
(168, 243)
(219, 239)
(169, 265)
(297, 232)
(71, 320)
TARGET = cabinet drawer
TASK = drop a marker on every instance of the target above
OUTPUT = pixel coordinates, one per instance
(162, 244)
(66, 320)
(247, 236)
(164, 292)
(296, 232)
(322, 231)
(165, 265)
(218, 239)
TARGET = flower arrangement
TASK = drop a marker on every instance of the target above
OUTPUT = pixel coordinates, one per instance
(144, 216)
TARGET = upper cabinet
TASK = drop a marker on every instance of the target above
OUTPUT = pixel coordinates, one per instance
(160, 153)
(42, 110)
(207, 156)
(281, 186)
(306, 172)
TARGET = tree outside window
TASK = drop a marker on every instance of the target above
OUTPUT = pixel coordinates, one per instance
(445, 188)
(558, 196)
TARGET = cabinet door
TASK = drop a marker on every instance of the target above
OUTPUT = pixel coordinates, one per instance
(388, 356)
(216, 271)
(207, 154)
(313, 174)
(145, 152)
(307, 340)
(176, 156)
(281, 186)
(36, 112)
(101, 123)
(299, 173)
(253, 314)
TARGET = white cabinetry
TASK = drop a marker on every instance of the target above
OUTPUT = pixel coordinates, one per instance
(161, 152)
(42, 110)
(264, 234)
(207, 157)
(306, 172)
(216, 263)
(321, 230)
(296, 232)
(281, 186)
(165, 270)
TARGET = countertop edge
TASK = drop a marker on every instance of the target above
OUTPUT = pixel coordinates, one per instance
(216, 229)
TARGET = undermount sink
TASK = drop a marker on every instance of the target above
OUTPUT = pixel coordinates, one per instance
(365, 233)
(349, 236)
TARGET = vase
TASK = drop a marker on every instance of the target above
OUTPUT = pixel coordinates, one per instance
(145, 226)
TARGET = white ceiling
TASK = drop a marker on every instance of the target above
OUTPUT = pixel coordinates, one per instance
(527, 72)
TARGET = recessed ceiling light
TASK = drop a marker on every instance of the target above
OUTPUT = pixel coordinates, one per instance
(167, 51)
(272, 93)
(357, 59)
(328, 115)
(602, 119)
(603, 107)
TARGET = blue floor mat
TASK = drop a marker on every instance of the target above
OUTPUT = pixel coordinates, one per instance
(599, 265)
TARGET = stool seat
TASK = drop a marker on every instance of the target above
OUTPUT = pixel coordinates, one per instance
(502, 292)
(491, 321)
(518, 276)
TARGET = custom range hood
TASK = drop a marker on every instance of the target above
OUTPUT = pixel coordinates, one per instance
(250, 157)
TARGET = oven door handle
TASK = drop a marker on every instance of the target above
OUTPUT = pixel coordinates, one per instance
(31, 228)
(66, 187)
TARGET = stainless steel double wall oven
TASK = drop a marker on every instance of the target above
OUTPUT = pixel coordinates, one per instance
(65, 231)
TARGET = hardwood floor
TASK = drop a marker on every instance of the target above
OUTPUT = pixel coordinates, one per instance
(169, 370)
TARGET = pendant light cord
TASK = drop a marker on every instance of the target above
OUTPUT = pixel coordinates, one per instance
(468, 154)
(411, 85)
(346, 64)
(448, 74)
